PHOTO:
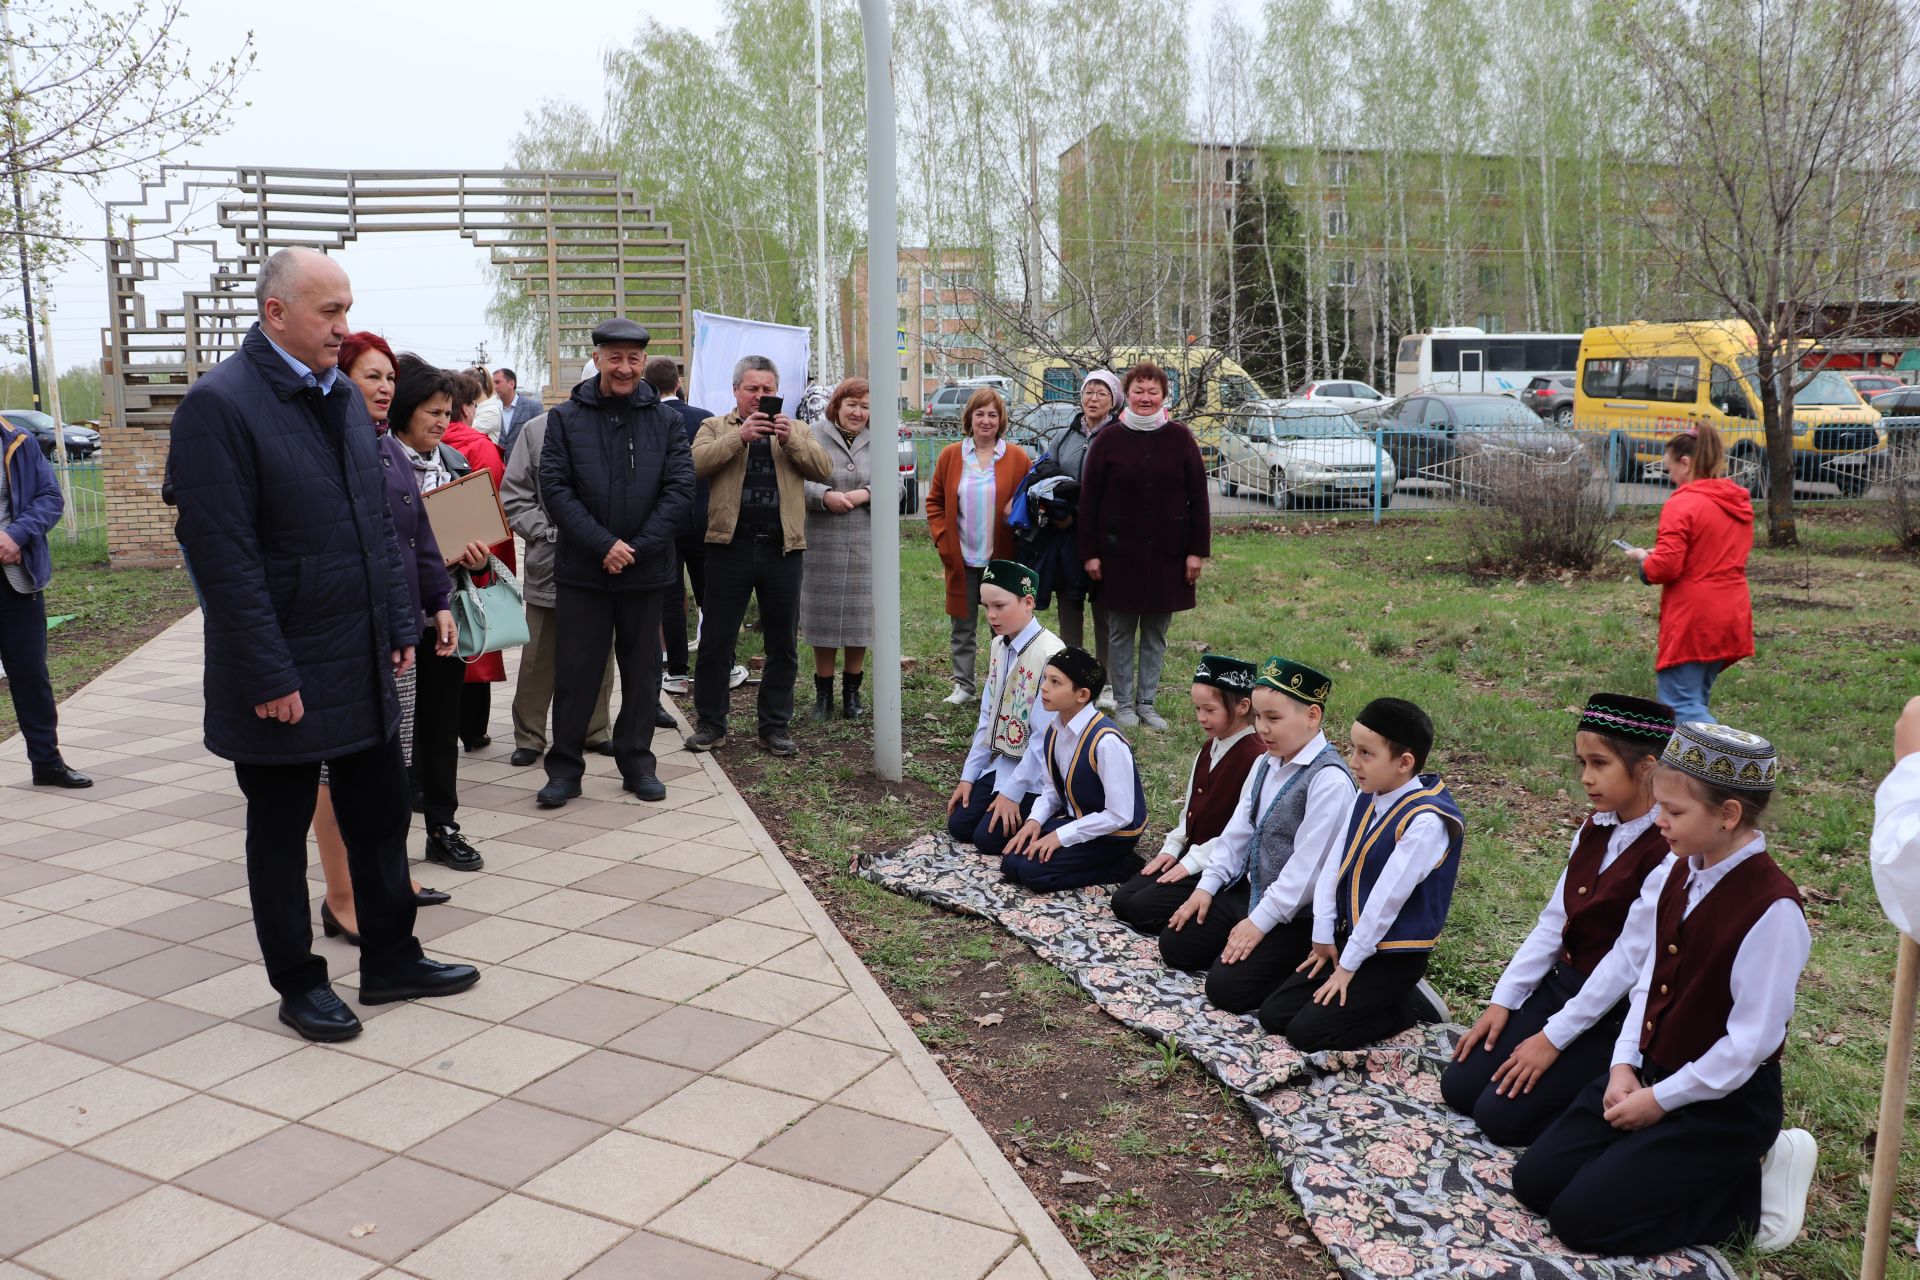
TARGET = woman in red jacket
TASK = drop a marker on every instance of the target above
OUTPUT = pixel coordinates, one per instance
(489, 669)
(1699, 560)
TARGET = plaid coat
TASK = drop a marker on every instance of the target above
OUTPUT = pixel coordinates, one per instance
(836, 601)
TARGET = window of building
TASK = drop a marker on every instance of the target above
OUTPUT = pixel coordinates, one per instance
(967, 369)
(1491, 321)
(1181, 168)
(1490, 277)
(901, 288)
(1339, 170)
(1342, 273)
(1290, 173)
(903, 373)
(1239, 169)
(1336, 222)
(1496, 180)
(960, 279)
(926, 368)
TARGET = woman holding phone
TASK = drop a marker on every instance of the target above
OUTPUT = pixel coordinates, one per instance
(1699, 562)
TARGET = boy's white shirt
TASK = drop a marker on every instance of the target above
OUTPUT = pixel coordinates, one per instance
(1020, 781)
(1417, 855)
(1766, 971)
(1113, 760)
(1329, 802)
(1896, 844)
(1197, 857)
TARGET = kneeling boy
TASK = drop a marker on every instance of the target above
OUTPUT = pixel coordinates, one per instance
(1091, 809)
(1382, 899)
(998, 781)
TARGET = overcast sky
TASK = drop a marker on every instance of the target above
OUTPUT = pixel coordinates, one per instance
(413, 84)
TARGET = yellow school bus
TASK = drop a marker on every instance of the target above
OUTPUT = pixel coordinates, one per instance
(1643, 383)
(1203, 383)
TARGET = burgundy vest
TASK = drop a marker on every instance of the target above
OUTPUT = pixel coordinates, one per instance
(1597, 904)
(1691, 995)
(1217, 788)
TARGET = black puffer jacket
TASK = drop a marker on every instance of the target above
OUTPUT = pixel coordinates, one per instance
(616, 470)
(283, 514)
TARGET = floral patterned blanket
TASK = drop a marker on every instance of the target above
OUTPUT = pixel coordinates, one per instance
(1391, 1181)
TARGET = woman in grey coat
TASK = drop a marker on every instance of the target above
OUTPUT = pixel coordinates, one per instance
(836, 601)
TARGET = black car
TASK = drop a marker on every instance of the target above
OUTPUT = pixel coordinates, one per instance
(1551, 396)
(81, 442)
(1428, 437)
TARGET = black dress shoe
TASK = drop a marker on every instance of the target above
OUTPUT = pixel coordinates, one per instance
(319, 1015)
(334, 929)
(522, 757)
(477, 744)
(706, 739)
(59, 775)
(556, 793)
(449, 848)
(602, 748)
(425, 897)
(662, 719)
(648, 787)
(778, 744)
(418, 981)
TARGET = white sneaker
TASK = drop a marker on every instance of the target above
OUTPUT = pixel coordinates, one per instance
(1436, 1007)
(675, 684)
(1786, 1175)
(958, 698)
(1127, 718)
(736, 677)
(1151, 718)
(1105, 700)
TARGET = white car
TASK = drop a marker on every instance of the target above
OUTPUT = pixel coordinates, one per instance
(1344, 394)
(1302, 453)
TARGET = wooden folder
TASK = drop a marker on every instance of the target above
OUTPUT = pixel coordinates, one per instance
(468, 510)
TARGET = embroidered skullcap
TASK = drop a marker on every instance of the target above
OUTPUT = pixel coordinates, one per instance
(1011, 575)
(1295, 679)
(1235, 675)
(619, 329)
(1723, 756)
(1619, 715)
(1399, 722)
(1080, 667)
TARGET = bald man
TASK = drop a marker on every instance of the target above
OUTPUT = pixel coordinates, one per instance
(283, 514)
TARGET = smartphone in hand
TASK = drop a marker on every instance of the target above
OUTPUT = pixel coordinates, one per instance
(1624, 545)
(770, 405)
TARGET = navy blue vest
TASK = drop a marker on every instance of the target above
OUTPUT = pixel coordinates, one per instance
(1371, 842)
(1081, 788)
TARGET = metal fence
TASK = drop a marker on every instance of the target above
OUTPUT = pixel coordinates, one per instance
(1330, 464)
(83, 486)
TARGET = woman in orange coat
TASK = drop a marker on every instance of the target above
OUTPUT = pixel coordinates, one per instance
(973, 481)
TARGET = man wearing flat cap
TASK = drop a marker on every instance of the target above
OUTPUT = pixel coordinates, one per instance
(618, 480)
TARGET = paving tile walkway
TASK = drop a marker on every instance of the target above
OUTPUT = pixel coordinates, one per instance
(673, 1066)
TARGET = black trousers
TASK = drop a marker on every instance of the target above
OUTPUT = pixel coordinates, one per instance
(23, 652)
(1690, 1178)
(1145, 905)
(1249, 983)
(738, 571)
(370, 801)
(438, 683)
(590, 622)
(968, 822)
(1197, 944)
(1379, 1004)
(673, 613)
(1516, 1122)
(476, 708)
(1101, 860)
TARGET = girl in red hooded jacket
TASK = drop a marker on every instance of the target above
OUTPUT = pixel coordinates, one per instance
(1699, 560)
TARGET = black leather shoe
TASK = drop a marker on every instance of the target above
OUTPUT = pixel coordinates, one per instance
(334, 929)
(662, 719)
(522, 757)
(648, 787)
(555, 794)
(602, 748)
(59, 775)
(706, 739)
(478, 744)
(851, 707)
(420, 980)
(319, 1015)
(425, 897)
(449, 848)
(778, 744)
(822, 708)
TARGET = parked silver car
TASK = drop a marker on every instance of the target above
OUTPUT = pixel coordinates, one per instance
(1302, 454)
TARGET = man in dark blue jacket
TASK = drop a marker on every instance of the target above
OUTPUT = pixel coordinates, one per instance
(283, 515)
(663, 375)
(30, 505)
(617, 477)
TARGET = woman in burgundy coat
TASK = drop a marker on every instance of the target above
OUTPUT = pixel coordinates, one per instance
(1144, 531)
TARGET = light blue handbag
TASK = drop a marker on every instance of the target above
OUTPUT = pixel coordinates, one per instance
(489, 619)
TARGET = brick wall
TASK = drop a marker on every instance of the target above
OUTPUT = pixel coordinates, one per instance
(139, 524)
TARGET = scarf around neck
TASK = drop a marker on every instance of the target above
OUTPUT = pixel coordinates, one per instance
(1135, 422)
(429, 472)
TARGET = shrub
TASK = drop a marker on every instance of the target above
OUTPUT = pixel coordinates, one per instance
(1530, 514)
(1901, 485)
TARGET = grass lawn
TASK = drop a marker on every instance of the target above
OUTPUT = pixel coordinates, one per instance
(1502, 666)
(114, 611)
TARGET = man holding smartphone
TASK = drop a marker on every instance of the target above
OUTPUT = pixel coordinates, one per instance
(756, 460)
